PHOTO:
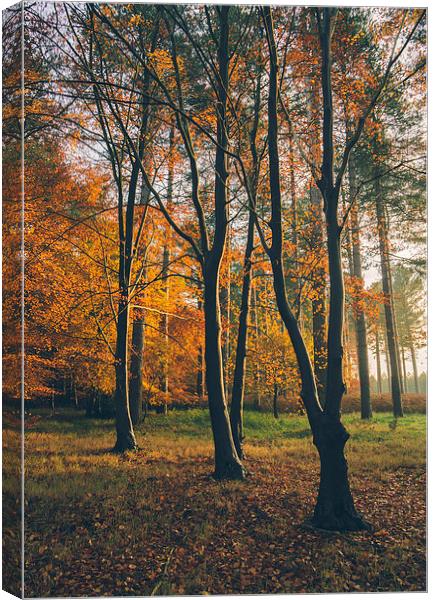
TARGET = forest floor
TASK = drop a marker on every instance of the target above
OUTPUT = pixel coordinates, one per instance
(154, 522)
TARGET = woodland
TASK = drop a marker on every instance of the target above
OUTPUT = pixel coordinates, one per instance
(224, 286)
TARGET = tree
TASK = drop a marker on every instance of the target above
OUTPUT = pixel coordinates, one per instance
(335, 508)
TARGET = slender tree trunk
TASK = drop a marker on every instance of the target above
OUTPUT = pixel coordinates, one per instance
(135, 380)
(387, 290)
(318, 302)
(360, 325)
(227, 462)
(378, 365)
(125, 433)
(388, 368)
(200, 378)
(257, 381)
(411, 345)
(275, 402)
(165, 327)
(237, 404)
(164, 273)
(414, 366)
(403, 364)
(236, 408)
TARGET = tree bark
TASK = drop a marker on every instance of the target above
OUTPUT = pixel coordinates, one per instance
(125, 433)
(200, 378)
(414, 366)
(164, 273)
(237, 404)
(378, 365)
(135, 382)
(227, 462)
(335, 509)
(389, 317)
(360, 325)
(257, 393)
(318, 303)
(403, 364)
(275, 402)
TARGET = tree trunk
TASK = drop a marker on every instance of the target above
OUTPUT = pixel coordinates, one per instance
(227, 463)
(411, 345)
(318, 302)
(257, 394)
(414, 366)
(378, 365)
(135, 380)
(225, 296)
(237, 404)
(403, 364)
(165, 327)
(334, 510)
(360, 326)
(389, 317)
(275, 401)
(388, 368)
(165, 265)
(125, 433)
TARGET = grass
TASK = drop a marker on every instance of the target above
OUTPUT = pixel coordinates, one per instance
(155, 522)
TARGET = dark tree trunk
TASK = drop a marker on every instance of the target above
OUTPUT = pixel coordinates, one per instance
(403, 364)
(389, 316)
(388, 368)
(227, 463)
(275, 402)
(165, 266)
(318, 303)
(135, 380)
(200, 365)
(334, 509)
(236, 408)
(360, 325)
(378, 365)
(225, 299)
(125, 433)
(257, 394)
(237, 404)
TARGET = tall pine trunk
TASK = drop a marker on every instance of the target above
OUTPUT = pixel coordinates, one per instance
(318, 303)
(378, 365)
(415, 369)
(359, 316)
(387, 290)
